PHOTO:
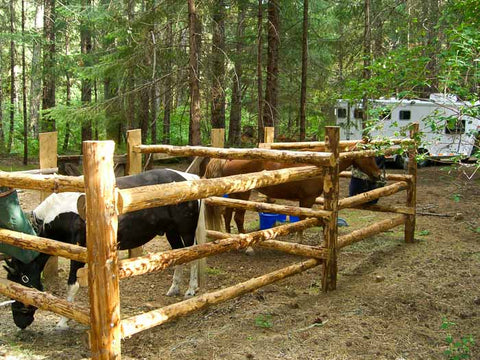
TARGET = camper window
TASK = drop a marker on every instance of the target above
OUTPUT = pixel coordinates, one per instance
(358, 114)
(405, 115)
(457, 127)
(342, 113)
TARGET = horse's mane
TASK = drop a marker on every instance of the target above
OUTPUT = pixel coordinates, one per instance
(215, 168)
(56, 204)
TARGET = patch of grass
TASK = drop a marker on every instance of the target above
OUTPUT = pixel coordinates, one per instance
(456, 197)
(475, 229)
(377, 242)
(214, 271)
(264, 321)
(424, 233)
(457, 348)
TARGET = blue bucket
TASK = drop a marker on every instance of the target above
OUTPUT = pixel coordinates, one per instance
(294, 219)
(281, 218)
(267, 220)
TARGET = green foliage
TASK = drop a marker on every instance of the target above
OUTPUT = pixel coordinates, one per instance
(457, 348)
(424, 232)
(264, 321)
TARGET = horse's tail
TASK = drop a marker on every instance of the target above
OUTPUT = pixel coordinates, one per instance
(215, 168)
(201, 238)
(213, 214)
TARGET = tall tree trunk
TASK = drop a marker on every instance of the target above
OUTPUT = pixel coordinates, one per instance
(303, 88)
(218, 65)
(68, 86)
(48, 97)
(130, 83)
(167, 103)
(432, 45)
(194, 39)
(270, 111)
(143, 111)
(367, 54)
(36, 71)
(234, 129)
(86, 49)
(2, 134)
(24, 91)
(12, 78)
(154, 92)
(260, 125)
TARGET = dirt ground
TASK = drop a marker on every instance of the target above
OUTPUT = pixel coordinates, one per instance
(390, 302)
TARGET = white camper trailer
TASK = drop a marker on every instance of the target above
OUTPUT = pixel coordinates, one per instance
(446, 133)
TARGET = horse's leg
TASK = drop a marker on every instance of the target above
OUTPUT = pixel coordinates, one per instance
(193, 284)
(227, 216)
(304, 203)
(177, 279)
(240, 218)
(178, 241)
(72, 290)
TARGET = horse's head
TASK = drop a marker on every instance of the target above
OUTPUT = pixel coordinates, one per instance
(26, 275)
(370, 166)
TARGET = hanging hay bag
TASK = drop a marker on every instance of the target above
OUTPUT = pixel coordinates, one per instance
(13, 218)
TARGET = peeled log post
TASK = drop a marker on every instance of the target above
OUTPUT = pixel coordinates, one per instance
(153, 318)
(143, 197)
(371, 230)
(165, 259)
(273, 208)
(303, 157)
(316, 252)
(412, 188)
(372, 195)
(331, 187)
(102, 224)
(44, 245)
(44, 300)
(134, 166)
(49, 183)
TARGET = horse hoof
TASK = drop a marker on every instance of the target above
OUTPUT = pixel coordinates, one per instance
(250, 251)
(173, 292)
(62, 326)
(190, 293)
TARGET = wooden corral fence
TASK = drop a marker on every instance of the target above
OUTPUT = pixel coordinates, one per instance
(104, 203)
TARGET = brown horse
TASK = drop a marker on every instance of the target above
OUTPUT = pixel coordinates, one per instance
(304, 191)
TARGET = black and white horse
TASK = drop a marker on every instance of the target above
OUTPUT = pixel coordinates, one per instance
(57, 218)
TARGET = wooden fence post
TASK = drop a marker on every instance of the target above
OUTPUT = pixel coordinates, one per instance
(102, 224)
(412, 188)
(48, 159)
(134, 166)
(330, 192)
(218, 137)
(269, 134)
